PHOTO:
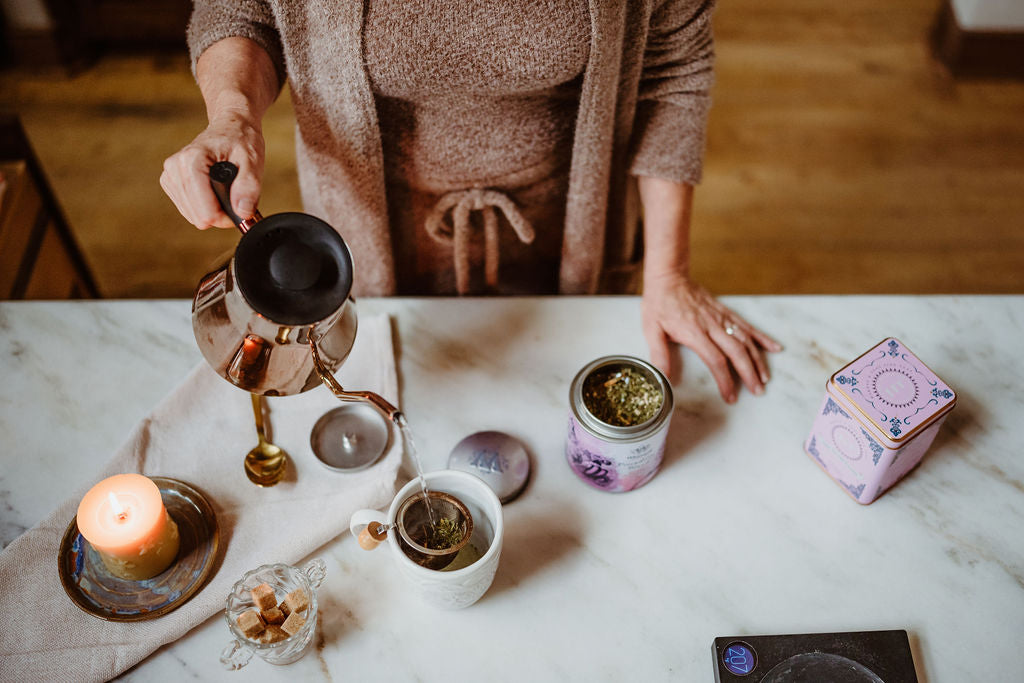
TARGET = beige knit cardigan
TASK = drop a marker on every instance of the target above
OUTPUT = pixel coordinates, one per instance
(642, 111)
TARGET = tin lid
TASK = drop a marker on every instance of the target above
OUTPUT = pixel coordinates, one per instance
(350, 437)
(497, 458)
(897, 393)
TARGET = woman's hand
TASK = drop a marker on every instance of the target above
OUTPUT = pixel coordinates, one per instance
(186, 180)
(677, 310)
(239, 83)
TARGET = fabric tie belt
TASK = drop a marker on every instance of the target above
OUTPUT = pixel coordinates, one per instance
(459, 232)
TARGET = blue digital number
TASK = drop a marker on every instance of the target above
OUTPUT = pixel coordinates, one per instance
(739, 659)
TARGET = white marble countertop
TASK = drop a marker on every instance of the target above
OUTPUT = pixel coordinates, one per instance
(739, 533)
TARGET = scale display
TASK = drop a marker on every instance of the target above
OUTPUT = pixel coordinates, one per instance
(739, 658)
(855, 657)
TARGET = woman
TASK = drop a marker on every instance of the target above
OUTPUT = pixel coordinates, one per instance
(441, 137)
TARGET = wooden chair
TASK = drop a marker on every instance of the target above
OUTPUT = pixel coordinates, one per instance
(39, 258)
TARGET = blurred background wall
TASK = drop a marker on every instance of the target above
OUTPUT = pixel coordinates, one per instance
(874, 146)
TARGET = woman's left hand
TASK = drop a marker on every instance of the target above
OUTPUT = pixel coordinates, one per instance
(678, 310)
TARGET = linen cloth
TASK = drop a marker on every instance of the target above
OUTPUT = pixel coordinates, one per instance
(198, 434)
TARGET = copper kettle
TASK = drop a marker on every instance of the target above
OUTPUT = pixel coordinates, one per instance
(277, 318)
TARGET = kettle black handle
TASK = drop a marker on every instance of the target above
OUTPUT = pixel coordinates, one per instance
(222, 174)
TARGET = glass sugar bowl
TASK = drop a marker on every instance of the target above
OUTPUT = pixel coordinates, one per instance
(282, 642)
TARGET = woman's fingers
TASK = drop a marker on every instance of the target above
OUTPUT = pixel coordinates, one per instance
(756, 347)
(765, 341)
(245, 190)
(747, 335)
(718, 363)
(660, 347)
(683, 312)
(754, 339)
(172, 188)
(760, 362)
(733, 342)
(195, 170)
(186, 178)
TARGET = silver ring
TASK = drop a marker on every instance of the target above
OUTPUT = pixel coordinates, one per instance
(731, 329)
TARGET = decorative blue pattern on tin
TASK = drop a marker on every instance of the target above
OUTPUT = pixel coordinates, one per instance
(855, 490)
(881, 356)
(942, 393)
(906, 420)
(812, 448)
(882, 415)
(894, 427)
(852, 381)
(918, 371)
(832, 408)
(893, 348)
(876, 448)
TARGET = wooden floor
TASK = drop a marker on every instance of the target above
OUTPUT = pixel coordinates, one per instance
(841, 159)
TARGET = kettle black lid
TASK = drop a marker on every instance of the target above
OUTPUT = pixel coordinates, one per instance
(293, 269)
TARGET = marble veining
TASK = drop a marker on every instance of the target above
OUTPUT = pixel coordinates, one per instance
(740, 531)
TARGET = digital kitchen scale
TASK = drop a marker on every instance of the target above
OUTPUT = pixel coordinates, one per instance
(858, 657)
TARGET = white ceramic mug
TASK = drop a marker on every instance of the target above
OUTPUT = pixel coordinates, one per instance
(460, 587)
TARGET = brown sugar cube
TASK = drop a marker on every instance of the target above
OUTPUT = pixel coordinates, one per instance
(293, 623)
(285, 609)
(274, 615)
(250, 623)
(297, 600)
(273, 634)
(263, 596)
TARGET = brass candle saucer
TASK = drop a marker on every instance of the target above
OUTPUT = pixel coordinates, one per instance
(101, 594)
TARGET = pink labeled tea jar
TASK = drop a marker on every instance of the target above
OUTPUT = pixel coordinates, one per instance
(617, 457)
(880, 414)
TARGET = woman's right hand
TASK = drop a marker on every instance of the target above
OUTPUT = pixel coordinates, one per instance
(230, 137)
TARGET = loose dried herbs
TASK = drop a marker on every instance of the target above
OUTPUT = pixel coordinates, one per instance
(445, 534)
(621, 396)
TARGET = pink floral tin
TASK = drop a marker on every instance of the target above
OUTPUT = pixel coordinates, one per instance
(880, 414)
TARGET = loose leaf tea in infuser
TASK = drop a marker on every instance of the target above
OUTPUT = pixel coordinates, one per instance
(445, 534)
(429, 543)
(621, 396)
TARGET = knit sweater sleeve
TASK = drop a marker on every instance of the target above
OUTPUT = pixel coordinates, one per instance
(675, 92)
(214, 20)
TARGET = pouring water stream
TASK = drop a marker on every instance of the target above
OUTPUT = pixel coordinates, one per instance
(396, 416)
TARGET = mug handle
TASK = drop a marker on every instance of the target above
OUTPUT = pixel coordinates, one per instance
(367, 528)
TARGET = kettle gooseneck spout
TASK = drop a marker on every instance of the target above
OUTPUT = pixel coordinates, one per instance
(376, 400)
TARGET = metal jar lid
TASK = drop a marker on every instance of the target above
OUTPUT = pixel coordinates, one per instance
(350, 438)
(497, 458)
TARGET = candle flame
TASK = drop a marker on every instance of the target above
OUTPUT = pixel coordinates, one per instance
(115, 505)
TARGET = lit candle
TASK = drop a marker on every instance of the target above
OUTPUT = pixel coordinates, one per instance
(124, 519)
